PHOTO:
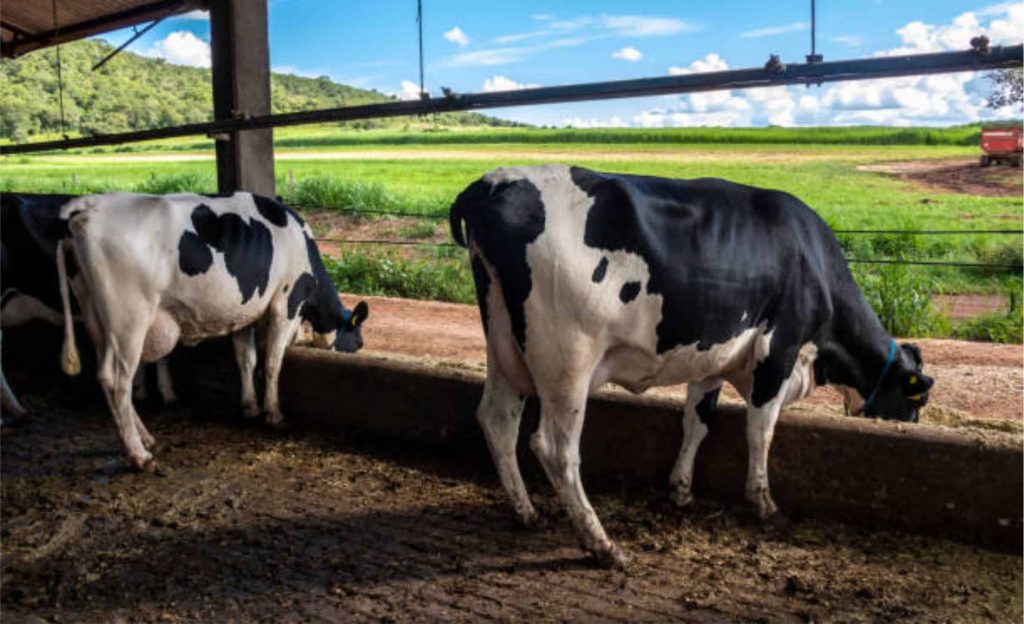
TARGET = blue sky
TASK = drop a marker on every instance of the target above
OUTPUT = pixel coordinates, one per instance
(513, 45)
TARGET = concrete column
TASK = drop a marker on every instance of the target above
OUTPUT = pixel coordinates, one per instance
(240, 53)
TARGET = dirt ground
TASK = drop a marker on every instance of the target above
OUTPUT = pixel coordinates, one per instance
(243, 524)
(973, 380)
(956, 176)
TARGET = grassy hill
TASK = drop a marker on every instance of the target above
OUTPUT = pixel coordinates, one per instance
(133, 92)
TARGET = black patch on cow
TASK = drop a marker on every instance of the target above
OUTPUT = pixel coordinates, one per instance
(7, 296)
(323, 309)
(708, 405)
(271, 210)
(483, 287)
(724, 257)
(629, 291)
(194, 256)
(247, 247)
(502, 220)
(305, 286)
(600, 271)
(31, 227)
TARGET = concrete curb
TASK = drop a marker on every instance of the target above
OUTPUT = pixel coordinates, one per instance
(965, 486)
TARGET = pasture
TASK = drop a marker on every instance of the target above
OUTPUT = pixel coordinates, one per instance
(855, 178)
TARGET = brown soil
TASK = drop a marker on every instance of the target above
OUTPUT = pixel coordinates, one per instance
(962, 307)
(956, 176)
(244, 524)
(972, 380)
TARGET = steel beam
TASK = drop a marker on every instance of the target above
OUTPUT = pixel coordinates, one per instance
(999, 57)
(27, 42)
(241, 90)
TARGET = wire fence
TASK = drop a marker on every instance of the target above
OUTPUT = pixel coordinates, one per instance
(854, 231)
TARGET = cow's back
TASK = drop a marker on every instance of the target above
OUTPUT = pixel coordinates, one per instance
(214, 263)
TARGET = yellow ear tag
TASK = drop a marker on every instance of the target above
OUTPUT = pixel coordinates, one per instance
(913, 379)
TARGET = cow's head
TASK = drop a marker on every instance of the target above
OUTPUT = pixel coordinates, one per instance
(900, 393)
(347, 337)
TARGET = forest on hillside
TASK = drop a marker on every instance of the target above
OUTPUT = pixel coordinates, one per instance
(134, 92)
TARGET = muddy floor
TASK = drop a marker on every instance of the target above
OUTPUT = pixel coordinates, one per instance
(242, 524)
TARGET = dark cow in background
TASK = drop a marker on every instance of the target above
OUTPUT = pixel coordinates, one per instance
(157, 270)
(584, 278)
(31, 228)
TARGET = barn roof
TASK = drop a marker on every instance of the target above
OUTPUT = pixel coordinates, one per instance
(27, 25)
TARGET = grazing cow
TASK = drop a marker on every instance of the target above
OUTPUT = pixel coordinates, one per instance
(162, 269)
(30, 228)
(585, 277)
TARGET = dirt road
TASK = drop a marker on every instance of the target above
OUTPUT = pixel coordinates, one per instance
(973, 380)
(243, 524)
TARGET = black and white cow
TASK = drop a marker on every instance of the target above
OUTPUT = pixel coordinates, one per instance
(162, 269)
(584, 278)
(30, 229)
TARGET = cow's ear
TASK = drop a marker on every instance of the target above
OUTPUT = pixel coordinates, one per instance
(913, 350)
(359, 314)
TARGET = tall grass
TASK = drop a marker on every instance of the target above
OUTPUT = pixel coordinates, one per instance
(441, 278)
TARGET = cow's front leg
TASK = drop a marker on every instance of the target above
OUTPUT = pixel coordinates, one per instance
(499, 415)
(760, 430)
(245, 357)
(701, 403)
(557, 446)
(280, 331)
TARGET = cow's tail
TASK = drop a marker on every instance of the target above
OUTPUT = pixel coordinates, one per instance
(70, 363)
(462, 211)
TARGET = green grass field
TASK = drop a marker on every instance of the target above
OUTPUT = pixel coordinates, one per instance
(420, 172)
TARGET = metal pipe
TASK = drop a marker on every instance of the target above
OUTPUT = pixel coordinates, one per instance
(857, 69)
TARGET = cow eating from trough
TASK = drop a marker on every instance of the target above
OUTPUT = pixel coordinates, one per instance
(585, 277)
(30, 229)
(157, 270)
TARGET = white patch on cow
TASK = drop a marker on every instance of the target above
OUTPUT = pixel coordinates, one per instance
(324, 341)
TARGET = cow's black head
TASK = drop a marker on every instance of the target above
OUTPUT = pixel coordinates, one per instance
(349, 336)
(903, 390)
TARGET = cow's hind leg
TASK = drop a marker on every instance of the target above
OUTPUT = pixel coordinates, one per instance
(499, 415)
(117, 367)
(701, 403)
(245, 357)
(557, 446)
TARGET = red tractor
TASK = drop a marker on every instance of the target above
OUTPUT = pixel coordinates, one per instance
(1001, 145)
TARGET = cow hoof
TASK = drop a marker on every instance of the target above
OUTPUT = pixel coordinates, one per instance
(681, 498)
(149, 442)
(145, 463)
(250, 410)
(613, 558)
(777, 520)
(278, 422)
(528, 520)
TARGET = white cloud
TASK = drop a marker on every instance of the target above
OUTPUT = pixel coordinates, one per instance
(628, 53)
(555, 33)
(851, 40)
(198, 14)
(938, 100)
(774, 30)
(456, 36)
(182, 48)
(580, 122)
(409, 91)
(504, 83)
(492, 56)
(640, 26)
(710, 63)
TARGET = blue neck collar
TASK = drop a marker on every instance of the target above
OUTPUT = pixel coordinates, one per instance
(885, 371)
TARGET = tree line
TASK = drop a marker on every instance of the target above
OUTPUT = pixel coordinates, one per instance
(134, 92)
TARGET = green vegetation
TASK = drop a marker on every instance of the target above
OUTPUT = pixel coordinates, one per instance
(997, 326)
(443, 277)
(133, 92)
